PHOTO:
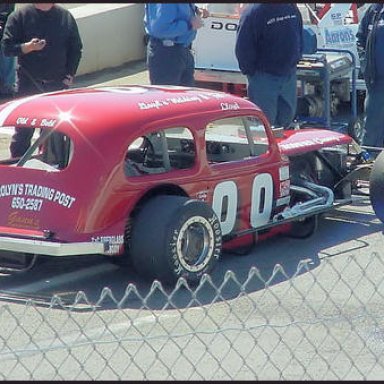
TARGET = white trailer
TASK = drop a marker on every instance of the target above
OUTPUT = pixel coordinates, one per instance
(335, 26)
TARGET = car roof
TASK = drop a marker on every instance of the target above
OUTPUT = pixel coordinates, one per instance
(101, 109)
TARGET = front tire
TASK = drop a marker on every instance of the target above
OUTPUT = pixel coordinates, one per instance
(173, 237)
(376, 186)
(304, 228)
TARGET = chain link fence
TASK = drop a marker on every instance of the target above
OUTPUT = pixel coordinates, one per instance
(322, 323)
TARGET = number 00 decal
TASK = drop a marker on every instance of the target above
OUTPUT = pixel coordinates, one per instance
(261, 199)
(225, 192)
(225, 202)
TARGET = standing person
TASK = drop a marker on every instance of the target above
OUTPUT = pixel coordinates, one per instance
(46, 40)
(171, 28)
(370, 48)
(7, 64)
(269, 44)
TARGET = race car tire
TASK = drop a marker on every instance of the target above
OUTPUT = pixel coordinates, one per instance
(376, 186)
(304, 228)
(173, 237)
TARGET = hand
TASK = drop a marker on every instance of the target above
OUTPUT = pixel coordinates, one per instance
(34, 44)
(68, 80)
(196, 22)
(203, 12)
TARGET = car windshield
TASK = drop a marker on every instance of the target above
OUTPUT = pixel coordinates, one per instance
(49, 150)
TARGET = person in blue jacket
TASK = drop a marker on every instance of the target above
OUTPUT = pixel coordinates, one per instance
(269, 44)
(370, 48)
(171, 29)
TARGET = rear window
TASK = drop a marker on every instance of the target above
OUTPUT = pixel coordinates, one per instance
(49, 150)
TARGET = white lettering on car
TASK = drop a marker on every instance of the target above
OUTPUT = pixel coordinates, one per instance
(309, 142)
(36, 122)
(229, 106)
(31, 196)
(199, 98)
(27, 204)
(225, 192)
(225, 202)
(48, 123)
(8, 109)
(114, 243)
(261, 199)
(22, 120)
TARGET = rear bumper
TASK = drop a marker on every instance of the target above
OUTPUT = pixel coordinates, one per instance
(49, 248)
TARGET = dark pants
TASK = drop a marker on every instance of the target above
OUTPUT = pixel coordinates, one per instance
(170, 65)
(21, 139)
(374, 110)
(275, 95)
(7, 74)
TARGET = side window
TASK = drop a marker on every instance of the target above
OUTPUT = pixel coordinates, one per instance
(227, 140)
(258, 135)
(235, 139)
(181, 147)
(160, 152)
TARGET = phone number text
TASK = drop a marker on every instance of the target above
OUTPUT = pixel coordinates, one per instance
(27, 204)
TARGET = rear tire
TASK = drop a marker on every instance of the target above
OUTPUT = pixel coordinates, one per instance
(376, 186)
(304, 228)
(173, 237)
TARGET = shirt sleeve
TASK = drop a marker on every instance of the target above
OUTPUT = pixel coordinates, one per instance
(74, 47)
(362, 32)
(12, 37)
(246, 41)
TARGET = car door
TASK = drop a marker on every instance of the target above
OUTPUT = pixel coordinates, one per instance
(248, 179)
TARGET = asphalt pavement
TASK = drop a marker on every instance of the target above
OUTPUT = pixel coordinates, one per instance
(131, 73)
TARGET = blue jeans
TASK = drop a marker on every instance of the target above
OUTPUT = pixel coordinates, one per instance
(7, 73)
(275, 95)
(170, 65)
(374, 111)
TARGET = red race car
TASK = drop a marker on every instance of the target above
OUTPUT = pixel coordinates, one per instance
(167, 176)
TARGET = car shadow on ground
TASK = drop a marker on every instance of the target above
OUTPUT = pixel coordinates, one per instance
(268, 263)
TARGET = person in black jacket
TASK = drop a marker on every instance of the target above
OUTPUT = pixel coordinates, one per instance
(7, 64)
(370, 44)
(269, 45)
(46, 40)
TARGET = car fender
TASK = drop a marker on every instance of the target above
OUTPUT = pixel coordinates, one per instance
(294, 142)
